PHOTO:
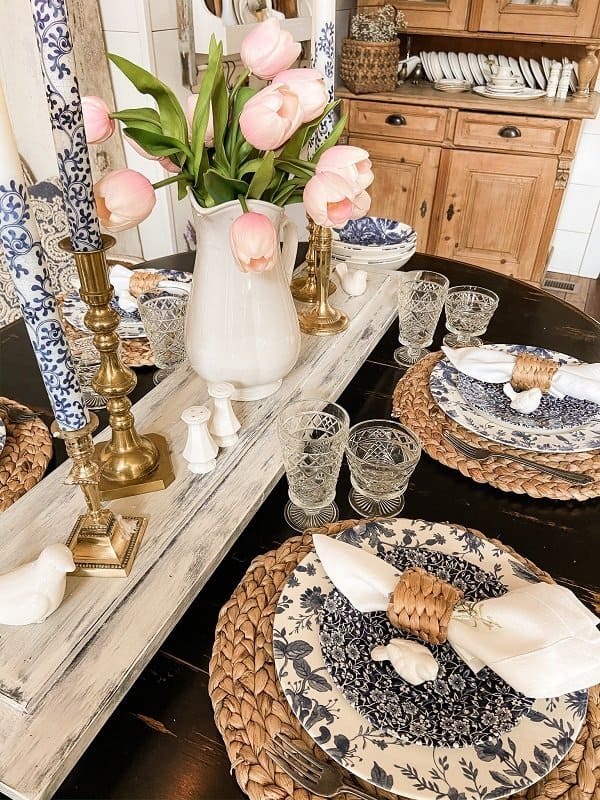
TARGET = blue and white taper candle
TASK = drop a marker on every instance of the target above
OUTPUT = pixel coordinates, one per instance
(323, 59)
(64, 104)
(20, 240)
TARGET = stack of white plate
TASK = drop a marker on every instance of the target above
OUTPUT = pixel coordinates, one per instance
(452, 85)
(376, 242)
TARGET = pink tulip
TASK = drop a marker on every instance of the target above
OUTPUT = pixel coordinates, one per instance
(331, 200)
(270, 117)
(209, 136)
(164, 161)
(267, 50)
(97, 124)
(124, 198)
(309, 85)
(352, 163)
(254, 242)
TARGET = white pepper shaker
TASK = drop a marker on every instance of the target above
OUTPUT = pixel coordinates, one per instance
(224, 425)
(200, 451)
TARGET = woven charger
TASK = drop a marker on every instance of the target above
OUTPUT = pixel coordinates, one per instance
(416, 408)
(250, 708)
(134, 352)
(24, 457)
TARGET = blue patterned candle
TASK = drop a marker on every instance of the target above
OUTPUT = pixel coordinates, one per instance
(21, 244)
(64, 103)
(323, 59)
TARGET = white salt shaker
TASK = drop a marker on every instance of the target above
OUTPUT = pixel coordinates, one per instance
(200, 451)
(224, 425)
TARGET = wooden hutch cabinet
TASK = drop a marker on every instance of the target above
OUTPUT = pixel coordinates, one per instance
(481, 180)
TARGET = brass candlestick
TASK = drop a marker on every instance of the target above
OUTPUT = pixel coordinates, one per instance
(102, 544)
(129, 464)
(304, 288)
(322, 319)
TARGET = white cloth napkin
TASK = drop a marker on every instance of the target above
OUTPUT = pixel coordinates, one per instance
(120, 276)
(539, 638)
(495, 366)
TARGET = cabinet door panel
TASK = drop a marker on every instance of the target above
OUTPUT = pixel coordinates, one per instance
(404, 184)
(441, 14)
(495, 209)
(506, 16)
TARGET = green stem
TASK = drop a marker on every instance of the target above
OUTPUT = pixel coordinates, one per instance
(171, 179)
(243, 203)
(243, 77)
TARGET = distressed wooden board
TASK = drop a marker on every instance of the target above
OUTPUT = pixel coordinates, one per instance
(80, 662)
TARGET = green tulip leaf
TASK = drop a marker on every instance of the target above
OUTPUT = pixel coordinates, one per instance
(250, 167)
(221, 188)
(172, 118)
(262, 177)
(220, 106)
(332, 139)
(130, 116)
(295, 145)
(299, 169)
(202, 110)
(155, 144)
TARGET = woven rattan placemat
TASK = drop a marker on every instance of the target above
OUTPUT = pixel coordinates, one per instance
(250, 708)
(416, 408)
(134, 352)
(24, 457)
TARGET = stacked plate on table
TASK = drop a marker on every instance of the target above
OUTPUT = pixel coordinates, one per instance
(558, 425)
(131, 326)
(452, 85)
(375, 242)
(463, 735)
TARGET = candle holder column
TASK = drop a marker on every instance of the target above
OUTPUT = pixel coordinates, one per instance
(304, 288)
(130, 464)
(322, 319)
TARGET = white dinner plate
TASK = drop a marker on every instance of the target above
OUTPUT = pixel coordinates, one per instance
(574, 77)
(435, 66)
(425, 62)
(484, 67)
(455, 66)
(445, 65)
(475, 69)
(503, 61)
(537, 72)
(527, 73)
(523, 94)
(515, 68)
(546, 66)
(508, 763)
(463, 60)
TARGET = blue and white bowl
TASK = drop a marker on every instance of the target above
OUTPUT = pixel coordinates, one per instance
(377, 232)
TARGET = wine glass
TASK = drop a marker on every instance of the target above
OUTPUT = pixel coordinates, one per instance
(421, 298)
(313, 434)
(469, 310)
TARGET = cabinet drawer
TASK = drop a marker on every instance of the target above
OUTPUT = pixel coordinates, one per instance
(396, 121)
(510, 133)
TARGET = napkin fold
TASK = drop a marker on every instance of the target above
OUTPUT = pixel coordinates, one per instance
(539, 638)
(120, 276)
(495, 366)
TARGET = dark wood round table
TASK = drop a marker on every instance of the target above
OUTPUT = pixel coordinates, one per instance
(161, 741)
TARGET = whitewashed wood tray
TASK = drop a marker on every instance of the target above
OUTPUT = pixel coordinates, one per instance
(61, 680)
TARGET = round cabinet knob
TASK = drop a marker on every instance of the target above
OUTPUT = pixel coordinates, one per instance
(509, 132)
(395, 119)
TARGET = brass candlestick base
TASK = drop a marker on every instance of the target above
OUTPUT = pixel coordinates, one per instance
(322, 319)
(102, 544)
(130, 464)
(304, 288)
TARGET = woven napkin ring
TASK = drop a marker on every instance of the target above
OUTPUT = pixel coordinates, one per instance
(423, 604)
(142, 281)
(533, 372)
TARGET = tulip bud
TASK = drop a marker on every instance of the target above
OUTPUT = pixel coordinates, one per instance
(331, 200)
(270, 117)
(124, 198)
(309, 86)
(254, 242)
(267, 50)
(352, 163)
(97, 124)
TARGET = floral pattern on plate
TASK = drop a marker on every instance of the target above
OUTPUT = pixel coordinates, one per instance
(2, 434)
(445, 392)
(131, 325)
(376, 231)
(457, 709)
(489, 771)
(552, 414)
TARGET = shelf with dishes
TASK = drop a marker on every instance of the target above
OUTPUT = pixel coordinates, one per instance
(521, 78)
(238, 17)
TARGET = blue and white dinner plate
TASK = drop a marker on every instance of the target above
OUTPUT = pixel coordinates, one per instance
(405, 760)
(2, 435)
(376, 232)
(446, 385)
(131, 325)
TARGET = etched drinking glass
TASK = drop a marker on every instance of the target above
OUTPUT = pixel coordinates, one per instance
(469, 310)
(421, 296)
(382, 455)
(86, 360)
(163, 315)
(313, 435)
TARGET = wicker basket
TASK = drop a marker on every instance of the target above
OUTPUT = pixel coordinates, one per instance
(369, 66)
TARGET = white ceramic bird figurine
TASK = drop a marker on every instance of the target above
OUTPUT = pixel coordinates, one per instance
(525, 402)
(411, 660)
(354, 281)
(33, 591)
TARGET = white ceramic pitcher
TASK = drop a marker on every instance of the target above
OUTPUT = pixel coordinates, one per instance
(241, 327)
